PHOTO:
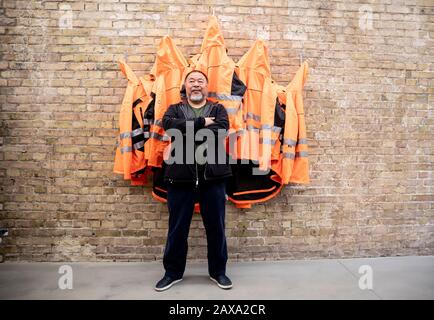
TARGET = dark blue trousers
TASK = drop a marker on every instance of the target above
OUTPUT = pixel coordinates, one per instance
(180, 201)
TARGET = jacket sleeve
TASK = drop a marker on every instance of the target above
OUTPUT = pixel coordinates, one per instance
(221, 120)
(172, 121)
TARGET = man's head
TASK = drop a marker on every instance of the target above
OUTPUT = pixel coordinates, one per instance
(196, 86)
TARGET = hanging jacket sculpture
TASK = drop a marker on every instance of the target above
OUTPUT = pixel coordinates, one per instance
(266, 121)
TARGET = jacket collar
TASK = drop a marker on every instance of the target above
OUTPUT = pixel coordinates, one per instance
(188, 113)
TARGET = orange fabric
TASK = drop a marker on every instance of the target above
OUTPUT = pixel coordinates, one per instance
(168, 71)
(219, 68)
(259, 133)
(300, 171)
(295, 167)
(253, 191)
(128, 158)
(242, 205)
(248, 203)
(158, 198)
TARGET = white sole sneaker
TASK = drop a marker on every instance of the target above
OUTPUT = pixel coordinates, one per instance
(220, 285)
(168, 286)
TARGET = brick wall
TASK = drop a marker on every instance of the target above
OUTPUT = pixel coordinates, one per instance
(369, 115)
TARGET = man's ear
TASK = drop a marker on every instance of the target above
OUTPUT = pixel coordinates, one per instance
(183, 92)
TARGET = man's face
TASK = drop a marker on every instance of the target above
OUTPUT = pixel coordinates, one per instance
(196, 87)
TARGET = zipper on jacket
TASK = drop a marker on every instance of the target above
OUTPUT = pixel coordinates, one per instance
(197, 175)
(204, 171)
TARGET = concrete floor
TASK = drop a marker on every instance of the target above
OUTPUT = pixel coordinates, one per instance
(392, 278)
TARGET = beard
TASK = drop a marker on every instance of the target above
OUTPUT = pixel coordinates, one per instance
(196, 97)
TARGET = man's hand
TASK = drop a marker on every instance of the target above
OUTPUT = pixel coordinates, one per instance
(209, 121)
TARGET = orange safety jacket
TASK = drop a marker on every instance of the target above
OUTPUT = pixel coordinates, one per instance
(168, 70)
(129, 158)
(294, 152)
(261, 132)
(224, 86)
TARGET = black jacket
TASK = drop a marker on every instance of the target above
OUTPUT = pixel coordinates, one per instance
(179, 116)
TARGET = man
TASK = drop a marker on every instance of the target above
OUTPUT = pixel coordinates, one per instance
(190, 182)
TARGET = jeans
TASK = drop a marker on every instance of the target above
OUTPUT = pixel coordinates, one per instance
(211, 196)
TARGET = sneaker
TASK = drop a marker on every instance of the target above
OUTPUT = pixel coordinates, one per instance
(222, 281)
(166, 283)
